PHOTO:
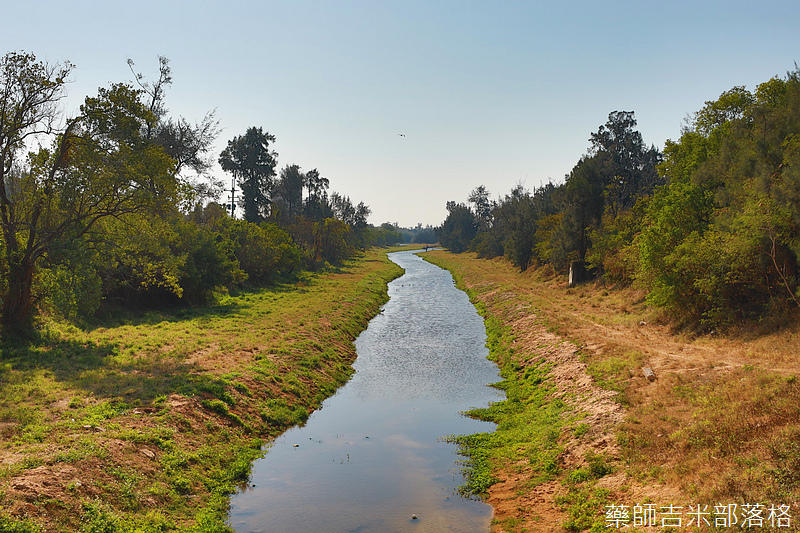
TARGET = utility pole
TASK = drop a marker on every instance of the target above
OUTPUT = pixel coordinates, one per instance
(233, 192)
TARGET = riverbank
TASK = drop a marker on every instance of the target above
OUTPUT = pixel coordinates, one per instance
(717, 424)
(149, 422)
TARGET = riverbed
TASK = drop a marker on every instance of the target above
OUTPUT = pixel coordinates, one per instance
(375, 456)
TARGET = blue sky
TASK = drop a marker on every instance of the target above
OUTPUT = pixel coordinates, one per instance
(485, 92)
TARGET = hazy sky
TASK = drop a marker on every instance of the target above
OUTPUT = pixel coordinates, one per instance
(485, 92)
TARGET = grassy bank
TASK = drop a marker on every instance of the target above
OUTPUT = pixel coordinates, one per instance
(150, 422)
(583, 428)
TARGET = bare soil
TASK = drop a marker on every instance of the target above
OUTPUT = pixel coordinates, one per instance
(597, 326)
(575, 329)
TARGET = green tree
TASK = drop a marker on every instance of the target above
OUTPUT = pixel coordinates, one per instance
(289, 191)
(99, 166)
(482, 207)
(629, 168)
(583, 207)
(316, 206)
(720, 242)
(458, 229)
(355, 216)
(189, 145)
(31, 91)
(263, 250)
(249, 158)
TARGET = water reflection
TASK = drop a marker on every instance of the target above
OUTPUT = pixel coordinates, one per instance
(373, 456)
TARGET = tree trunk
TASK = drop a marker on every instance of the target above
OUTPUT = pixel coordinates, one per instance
(18, 299)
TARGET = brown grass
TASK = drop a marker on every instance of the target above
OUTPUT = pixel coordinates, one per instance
(720, 424)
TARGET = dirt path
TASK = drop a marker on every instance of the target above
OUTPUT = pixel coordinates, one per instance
(596, 336)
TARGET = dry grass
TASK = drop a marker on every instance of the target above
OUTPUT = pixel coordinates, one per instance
(720, 424)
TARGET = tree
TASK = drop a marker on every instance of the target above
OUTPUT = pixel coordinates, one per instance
(316, 206)
(479, 198)
(629, 168)
(31, 91)
(583, 206)
(458, 229)
(99, 166)
(252, 163)
(186, 143)
(289, 191)
(720, 242)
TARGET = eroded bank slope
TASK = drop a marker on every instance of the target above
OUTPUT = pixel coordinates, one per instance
(149, 423)
(585, 429)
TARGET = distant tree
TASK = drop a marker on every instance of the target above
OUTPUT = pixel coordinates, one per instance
(353, 215)
(289, 191)
(316, 206)
(249, 158)
(458, 229)
(482, 207)
(425, 235)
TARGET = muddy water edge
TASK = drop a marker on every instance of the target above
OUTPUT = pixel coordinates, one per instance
(375, 457)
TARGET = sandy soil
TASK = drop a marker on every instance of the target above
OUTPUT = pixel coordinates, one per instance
(567, 326)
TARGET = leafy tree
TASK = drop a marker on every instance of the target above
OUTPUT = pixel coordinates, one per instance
(332, 238)
(583, 207)
(482, 207)
(263, 250)
(613, 251)
(458, 229)
(425, 235)
(187, 144)
(355, 216)
(720, 242)
(289, 191)
(629, 168)
(99, 166)
(516, 215)
(31, 91)
(316, 206)
(249, 158)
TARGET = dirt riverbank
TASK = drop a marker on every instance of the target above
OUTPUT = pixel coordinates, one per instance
(148, 422)
(717, 424)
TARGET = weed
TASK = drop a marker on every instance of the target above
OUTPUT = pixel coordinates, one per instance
(584, 509)
(14, 525)
(50, 389)
(580, 430)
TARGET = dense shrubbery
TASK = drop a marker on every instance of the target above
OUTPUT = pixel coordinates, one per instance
(107, 213)
(711, 227)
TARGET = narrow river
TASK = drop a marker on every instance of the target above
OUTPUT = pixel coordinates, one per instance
(374, 458)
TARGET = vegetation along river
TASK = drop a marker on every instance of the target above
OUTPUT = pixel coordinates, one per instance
(374, 457)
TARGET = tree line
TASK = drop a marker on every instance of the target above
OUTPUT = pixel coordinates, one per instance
(117, 204)
(708, 227)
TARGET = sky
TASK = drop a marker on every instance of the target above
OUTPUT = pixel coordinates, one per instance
(494, 93)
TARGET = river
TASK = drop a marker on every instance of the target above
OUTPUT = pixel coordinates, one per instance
(374, 457)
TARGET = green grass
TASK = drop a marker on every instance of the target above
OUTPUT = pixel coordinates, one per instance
(529, 420)
(254, 364)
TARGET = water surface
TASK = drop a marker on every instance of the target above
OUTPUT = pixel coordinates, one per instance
(373, 455)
